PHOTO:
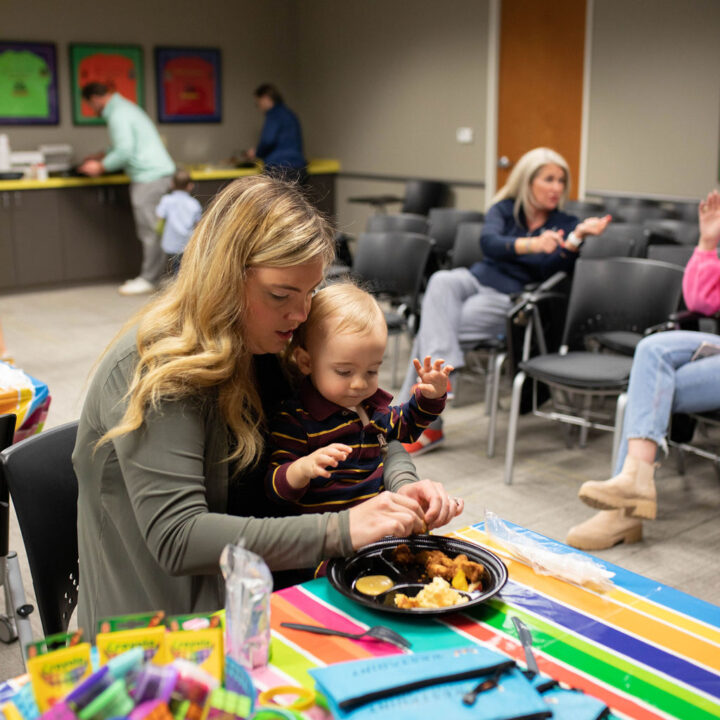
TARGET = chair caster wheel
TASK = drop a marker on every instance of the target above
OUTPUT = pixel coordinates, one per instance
(7, 630)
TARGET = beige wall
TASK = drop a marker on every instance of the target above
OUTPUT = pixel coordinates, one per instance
(256, 40)
(384, 86)
(655, 97)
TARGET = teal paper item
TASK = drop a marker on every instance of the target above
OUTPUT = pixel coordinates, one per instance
(352, 683)
(569, 704)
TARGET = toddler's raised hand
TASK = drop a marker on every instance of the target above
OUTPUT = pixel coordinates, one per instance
(433, 377)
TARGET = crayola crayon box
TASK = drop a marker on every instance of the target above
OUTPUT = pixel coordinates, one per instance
(56, 665)
(118, 634)
(197, 638)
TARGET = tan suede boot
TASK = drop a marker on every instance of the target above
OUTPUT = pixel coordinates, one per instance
(605, 529)
(633, 489)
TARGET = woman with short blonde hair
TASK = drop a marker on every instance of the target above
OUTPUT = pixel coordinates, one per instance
(172, 433)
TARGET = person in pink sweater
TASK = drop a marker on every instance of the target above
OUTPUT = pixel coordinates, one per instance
(664, 379)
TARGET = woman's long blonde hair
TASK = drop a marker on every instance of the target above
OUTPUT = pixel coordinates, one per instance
(190, 338)
(522, 175)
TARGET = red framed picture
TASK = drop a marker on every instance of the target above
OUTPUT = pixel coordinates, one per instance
(188, 85)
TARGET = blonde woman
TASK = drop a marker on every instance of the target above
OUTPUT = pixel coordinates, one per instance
(526, 238)
(171, 436)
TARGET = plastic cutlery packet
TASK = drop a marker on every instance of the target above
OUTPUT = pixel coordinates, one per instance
(573, 567)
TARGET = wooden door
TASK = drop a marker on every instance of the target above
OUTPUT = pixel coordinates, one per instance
(540, 83)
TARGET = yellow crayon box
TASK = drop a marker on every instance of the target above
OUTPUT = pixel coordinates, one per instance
(56, 673)
(150, 639)
(197, 638)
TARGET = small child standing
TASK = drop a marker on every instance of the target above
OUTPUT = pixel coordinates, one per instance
(179, 213)
(328, 440)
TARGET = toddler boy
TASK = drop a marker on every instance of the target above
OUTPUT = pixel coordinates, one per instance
(328, 440)
(179, 213)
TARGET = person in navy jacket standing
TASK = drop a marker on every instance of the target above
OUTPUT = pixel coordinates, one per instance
(280, 145)
(526, 239)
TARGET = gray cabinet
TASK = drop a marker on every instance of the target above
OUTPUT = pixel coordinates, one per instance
(30, 242)
(205, 190)
(98, 233)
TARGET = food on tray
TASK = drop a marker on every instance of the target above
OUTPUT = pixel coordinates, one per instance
(373, 584)
(463, 573)
(437, 594)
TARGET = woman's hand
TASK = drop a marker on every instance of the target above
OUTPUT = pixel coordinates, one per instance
(385, 514)
(592, 226)
(547, 242)
(432, 377)
(709, 219)
(438, 506)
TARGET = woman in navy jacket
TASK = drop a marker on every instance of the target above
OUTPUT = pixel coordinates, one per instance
(526, 239)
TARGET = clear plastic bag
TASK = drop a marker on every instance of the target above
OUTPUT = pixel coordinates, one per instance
(248, 586)
(570, 566)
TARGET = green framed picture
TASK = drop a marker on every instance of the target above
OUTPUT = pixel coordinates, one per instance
(120, 67)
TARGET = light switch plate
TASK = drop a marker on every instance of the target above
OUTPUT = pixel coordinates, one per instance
(464, 135)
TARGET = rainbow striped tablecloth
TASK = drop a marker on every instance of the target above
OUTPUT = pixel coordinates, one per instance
(646, 650)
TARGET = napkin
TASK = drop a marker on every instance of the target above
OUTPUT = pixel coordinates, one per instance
(382, 688)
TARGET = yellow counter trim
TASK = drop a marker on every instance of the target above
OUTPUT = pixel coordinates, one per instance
(197, 172)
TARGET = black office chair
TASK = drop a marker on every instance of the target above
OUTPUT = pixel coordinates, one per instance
(584, 209)
(466, 250)
(443, 226)
(392, 266)
(673, 254)
(9, 570)
(640, 213)
(607, 245)
(611, 294)
(402, 222)
(43, 487)
(618, 240)
(666, 231)
(687, 211)
(420, 196)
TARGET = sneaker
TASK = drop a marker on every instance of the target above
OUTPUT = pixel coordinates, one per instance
(136, 286)
(450, 393)
(429, 440)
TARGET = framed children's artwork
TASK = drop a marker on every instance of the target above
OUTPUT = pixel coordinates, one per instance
(120, 67)
(28, 84)
(188, 84)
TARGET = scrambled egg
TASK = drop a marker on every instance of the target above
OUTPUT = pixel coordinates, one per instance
(437, 594)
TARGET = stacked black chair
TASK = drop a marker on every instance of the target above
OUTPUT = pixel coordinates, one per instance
(611, 294)
(42, 483)
(402, 222)
(674, 254)
(618, 240)
(466, 249)
(443, 227)
(420, 196)
(667, 231)
(392, 266)
(584, 209)
(632, 213)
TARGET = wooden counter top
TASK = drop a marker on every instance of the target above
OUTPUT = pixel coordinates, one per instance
(197, 172)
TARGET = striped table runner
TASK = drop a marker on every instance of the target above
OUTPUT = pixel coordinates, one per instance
(646, 650)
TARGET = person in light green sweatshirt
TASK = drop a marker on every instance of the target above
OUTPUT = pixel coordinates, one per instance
(136, 148)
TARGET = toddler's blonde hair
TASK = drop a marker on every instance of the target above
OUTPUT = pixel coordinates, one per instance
(346, 306)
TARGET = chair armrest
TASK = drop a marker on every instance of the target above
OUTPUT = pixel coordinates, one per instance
(687, 320)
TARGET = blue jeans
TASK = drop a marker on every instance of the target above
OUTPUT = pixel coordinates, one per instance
(664, 381)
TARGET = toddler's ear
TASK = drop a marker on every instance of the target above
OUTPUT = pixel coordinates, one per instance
(302, 359)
